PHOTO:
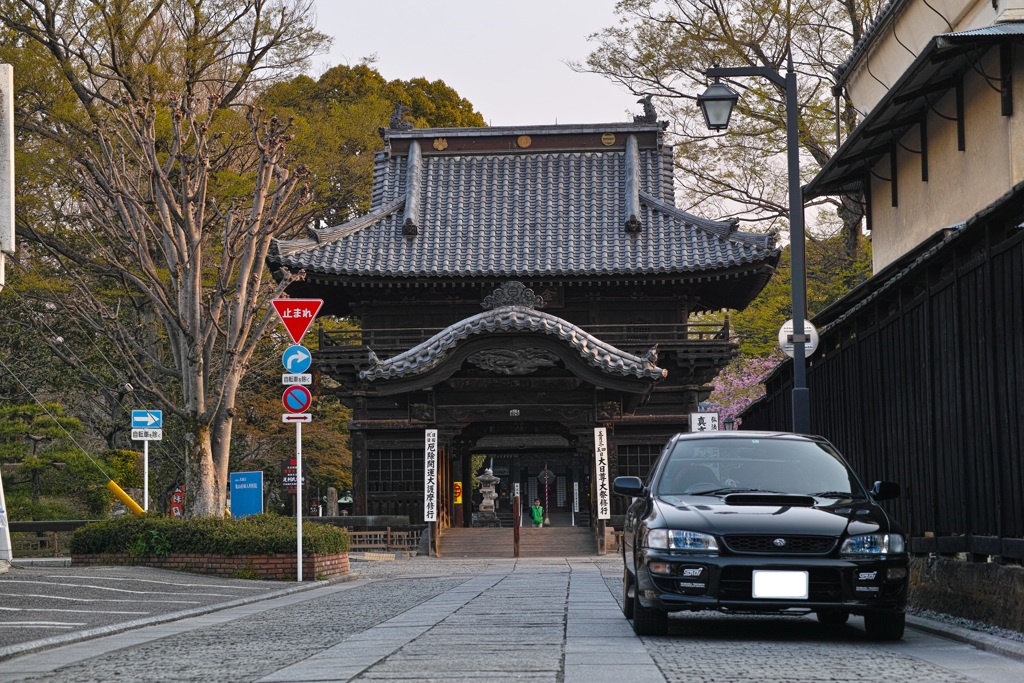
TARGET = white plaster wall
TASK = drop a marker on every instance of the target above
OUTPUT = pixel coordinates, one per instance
(959, 183)
(903, 38)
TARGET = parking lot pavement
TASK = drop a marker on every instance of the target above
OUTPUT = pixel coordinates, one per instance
(45, 604)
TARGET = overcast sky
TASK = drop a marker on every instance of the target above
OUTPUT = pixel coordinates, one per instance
(507, 57)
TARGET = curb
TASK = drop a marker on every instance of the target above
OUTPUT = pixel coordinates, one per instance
(982, 641)
(41, 562)
(112, 629)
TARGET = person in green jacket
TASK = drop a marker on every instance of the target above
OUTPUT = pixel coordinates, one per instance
(537, 513)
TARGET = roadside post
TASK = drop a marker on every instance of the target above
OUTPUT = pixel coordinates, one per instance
(147, 425)
(515, 529)
(6, 550)
(297, 315)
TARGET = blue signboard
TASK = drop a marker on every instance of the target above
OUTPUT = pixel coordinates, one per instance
(296, 359)
(147, 419)
(246, 493)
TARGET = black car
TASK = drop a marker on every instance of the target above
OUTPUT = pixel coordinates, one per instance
(760, 522)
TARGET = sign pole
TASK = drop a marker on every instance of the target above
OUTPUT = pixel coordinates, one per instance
(145, 475)
(298, 496)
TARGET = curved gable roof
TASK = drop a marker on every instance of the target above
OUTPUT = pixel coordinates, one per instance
(515, 318)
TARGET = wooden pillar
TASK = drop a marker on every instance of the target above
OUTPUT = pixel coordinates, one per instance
(467, 488)
(360, 457)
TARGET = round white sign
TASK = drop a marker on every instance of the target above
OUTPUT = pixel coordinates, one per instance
(787, 346)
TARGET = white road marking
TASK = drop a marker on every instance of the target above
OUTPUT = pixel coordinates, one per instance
(79, 611)
(133, 600)
(40, 624)
(166, 583)
(119, 590)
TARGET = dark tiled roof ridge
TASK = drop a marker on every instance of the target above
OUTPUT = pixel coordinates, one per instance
(514, 318)
(323, 235)
(724, 229)
(494, 131)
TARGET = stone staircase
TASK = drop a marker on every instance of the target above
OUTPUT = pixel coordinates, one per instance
(493, 543)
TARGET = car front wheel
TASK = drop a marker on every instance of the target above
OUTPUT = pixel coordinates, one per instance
(885, 625)
(648, 621)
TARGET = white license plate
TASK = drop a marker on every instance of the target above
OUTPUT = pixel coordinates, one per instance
(776, 584)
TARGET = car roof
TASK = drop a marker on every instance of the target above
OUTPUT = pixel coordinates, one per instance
(743, 433)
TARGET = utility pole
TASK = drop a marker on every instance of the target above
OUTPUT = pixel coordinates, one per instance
(6, 246)
(6, 165)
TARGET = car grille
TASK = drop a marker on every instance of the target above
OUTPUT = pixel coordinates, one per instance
(804, 545)
(737, 583)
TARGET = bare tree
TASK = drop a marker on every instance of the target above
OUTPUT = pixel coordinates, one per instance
(170, 189)
(662, 47)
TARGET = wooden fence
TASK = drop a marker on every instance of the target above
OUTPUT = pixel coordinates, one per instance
(919, 378)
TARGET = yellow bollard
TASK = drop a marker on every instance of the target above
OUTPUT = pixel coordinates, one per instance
(124, 497)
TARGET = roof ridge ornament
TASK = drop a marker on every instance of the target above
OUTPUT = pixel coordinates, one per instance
(513, 293)
(650, 114)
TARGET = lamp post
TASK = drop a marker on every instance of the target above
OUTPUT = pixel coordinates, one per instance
(717, 103)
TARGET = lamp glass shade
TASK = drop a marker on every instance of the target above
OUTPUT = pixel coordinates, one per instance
(716, 103)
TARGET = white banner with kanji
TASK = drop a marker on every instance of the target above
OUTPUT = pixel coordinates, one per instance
(604, 496)
(430, 476)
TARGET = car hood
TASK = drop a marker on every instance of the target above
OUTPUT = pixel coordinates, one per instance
(736, 515)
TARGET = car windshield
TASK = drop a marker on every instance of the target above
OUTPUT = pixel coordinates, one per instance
(725, 465)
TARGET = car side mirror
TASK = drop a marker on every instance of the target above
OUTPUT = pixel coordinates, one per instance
(885, 490)
(628, 486)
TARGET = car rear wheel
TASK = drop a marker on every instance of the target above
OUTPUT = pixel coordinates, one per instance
(648, 621)
(885, 625)
(627, 597)
(833, 617)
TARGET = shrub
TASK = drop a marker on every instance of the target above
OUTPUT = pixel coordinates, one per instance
(152, 534)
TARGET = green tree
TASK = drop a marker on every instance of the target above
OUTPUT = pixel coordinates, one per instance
(160, 188)
(37, 438)
(336, 120)
(662, 47)
(829, 277)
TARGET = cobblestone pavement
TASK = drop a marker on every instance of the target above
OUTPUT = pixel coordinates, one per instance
(529, 620)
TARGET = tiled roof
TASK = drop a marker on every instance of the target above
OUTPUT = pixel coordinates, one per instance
(525, 202)
(514, 318)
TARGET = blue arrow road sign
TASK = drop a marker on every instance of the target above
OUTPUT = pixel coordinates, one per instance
(147, 419)
(296, 359)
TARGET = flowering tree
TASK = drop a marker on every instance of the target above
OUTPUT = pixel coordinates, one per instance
(739, 384)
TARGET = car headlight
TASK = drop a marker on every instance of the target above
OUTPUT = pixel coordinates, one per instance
(873, 545)
(675, 539)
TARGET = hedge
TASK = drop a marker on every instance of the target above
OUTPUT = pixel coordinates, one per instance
(152, 534)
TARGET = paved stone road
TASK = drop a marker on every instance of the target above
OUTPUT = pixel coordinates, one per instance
(532, 620)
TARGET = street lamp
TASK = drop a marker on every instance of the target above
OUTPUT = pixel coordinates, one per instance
(712, 102)
(717, 103)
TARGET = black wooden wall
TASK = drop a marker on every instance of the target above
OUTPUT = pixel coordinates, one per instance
(919, 378)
